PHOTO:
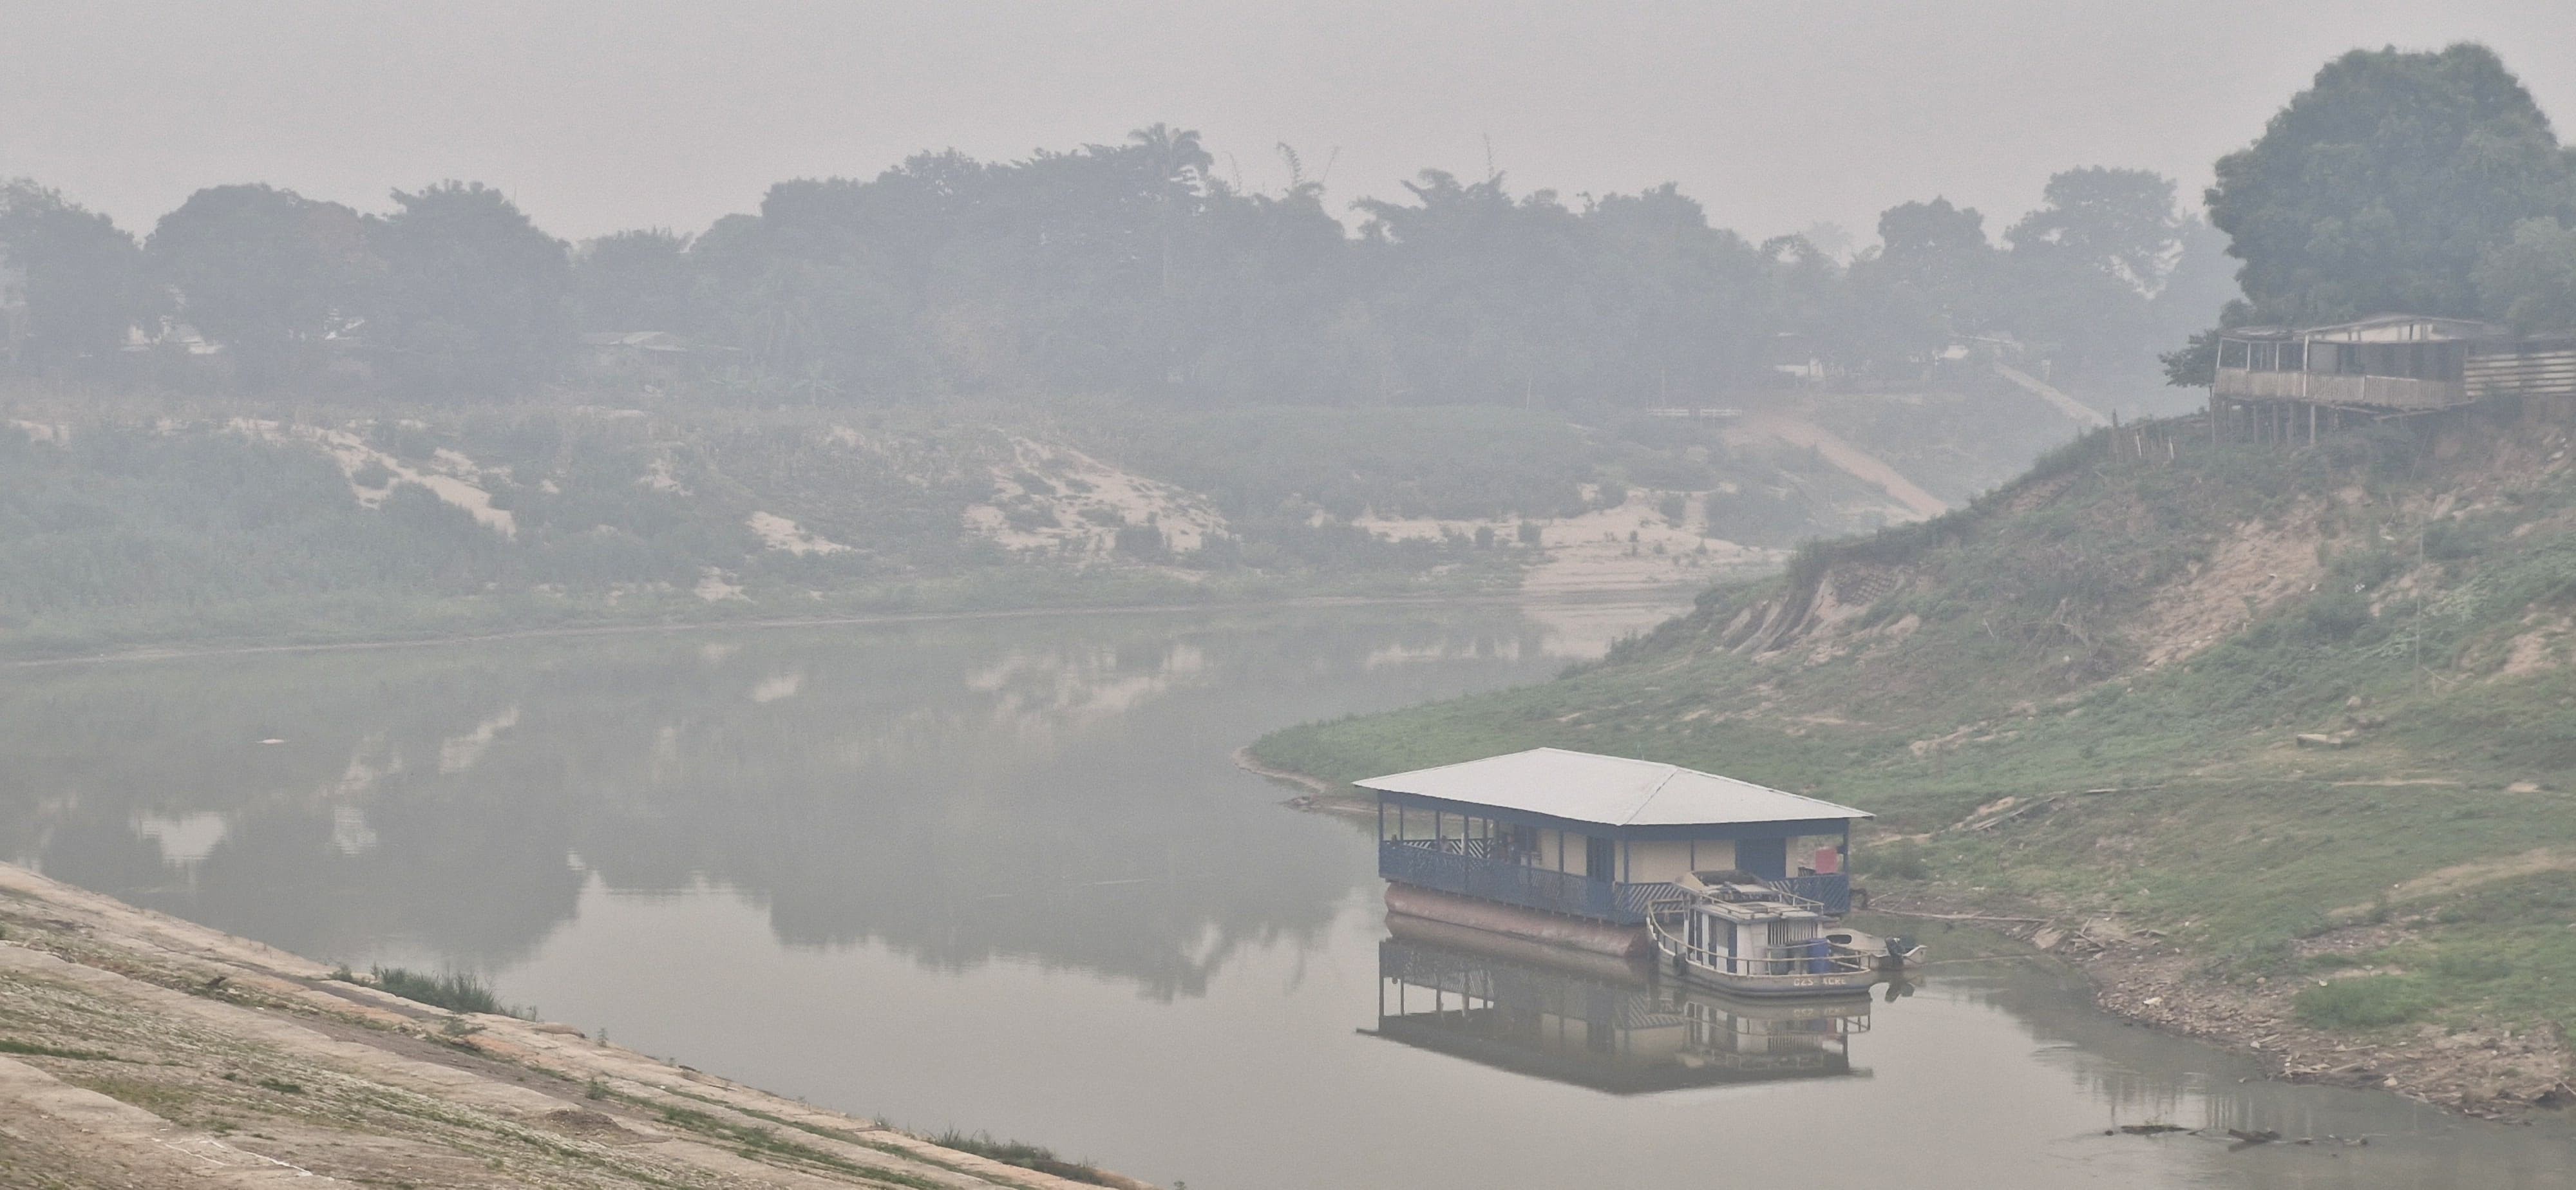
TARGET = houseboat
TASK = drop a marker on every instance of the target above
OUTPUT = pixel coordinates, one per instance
(1594, 852)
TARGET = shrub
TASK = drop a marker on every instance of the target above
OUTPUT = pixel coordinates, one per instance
(1896, 861)
(1020, 1153)
(2367, 1002)
(2336, 615)
(455, 991)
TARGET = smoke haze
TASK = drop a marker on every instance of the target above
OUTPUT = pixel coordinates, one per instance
(596, 116)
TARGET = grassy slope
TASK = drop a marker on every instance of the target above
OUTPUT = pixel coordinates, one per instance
(2409, 586)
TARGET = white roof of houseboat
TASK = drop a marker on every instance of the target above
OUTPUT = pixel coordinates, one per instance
(1610, 790)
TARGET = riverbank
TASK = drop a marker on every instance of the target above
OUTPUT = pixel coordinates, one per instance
(2140, 976)
(2147, 976)
(1582, 614)
(138, 1049)
(2276, 781)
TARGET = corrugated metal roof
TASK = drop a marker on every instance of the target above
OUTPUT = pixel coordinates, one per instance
(1610, 790)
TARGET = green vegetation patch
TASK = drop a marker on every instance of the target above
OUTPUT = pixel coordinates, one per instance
(30, 1049)
(455, 991)
(2362, 1002)
(1020, 1153)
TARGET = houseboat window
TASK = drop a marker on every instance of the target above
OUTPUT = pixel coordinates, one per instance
(2231, 353)
(2294, 357)
(2266, 356)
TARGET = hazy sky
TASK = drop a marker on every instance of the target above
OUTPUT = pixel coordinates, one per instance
(599, 115)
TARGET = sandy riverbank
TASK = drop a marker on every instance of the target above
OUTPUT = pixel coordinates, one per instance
(137, 1049)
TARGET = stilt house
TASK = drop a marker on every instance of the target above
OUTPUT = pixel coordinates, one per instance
(2279, 382)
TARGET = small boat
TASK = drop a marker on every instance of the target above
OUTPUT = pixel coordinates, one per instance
(1733, 931)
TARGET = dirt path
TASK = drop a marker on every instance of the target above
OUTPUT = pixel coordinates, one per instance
(136, 1049)
(1858, 463)
(2076, 411)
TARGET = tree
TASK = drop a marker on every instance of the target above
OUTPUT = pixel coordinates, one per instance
(1931, 279)
(2119, 222)
(2086, 267)
(1480, 294)
(1932, 244)
(81, 276)
(472, 297)
(2201, 282)
(268, 273)
(2529, 280)
(636, 281)
(2379, 187)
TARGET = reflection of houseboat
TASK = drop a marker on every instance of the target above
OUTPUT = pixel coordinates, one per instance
(1606, 1026)
(1594, 852)
(1739, 933)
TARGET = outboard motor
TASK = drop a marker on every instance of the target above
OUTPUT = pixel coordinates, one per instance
(1899, 949)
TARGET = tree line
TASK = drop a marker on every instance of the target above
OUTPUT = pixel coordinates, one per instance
(2423, 182)
(1122, 268)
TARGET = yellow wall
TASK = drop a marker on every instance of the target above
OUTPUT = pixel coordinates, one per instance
(1669, 859)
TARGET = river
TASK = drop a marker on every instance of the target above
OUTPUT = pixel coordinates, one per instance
(1001, 875)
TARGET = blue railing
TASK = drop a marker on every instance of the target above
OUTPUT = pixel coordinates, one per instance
(1461, 866)
(1425, 864)
(1832, 892)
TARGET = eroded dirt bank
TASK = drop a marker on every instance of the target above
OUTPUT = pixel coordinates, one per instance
(140, 1050)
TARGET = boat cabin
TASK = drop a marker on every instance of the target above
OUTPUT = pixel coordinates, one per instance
(1737, 927)
(1602, 837)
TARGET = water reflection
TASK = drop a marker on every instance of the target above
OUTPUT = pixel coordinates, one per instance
(953, 792)
(1598, 1022)
(1001, 875)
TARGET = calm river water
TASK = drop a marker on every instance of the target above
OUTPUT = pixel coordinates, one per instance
(1001, 875)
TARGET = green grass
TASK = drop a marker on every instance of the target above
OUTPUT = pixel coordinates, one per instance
(1019, 1153)
(2363, 1002)
(756, 1142)
(30, 1049)
(455, 991)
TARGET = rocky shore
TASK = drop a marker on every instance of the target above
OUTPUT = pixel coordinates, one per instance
(140, 1050)
(2491, 1072)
